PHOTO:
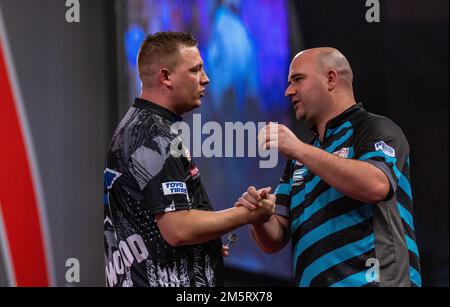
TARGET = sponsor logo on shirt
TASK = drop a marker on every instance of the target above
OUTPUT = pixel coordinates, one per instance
(298, 164)
(343, 153)
(386, 149)
(299, 174)
(174, 187)
(170, 208)
(194, 171)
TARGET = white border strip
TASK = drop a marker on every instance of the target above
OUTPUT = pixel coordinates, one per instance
(31, 153)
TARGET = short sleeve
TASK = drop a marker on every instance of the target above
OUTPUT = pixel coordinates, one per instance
(283, 191)
(382, 143)
(160, 176)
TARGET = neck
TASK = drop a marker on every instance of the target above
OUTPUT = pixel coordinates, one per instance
(158, 98)
(339, 109)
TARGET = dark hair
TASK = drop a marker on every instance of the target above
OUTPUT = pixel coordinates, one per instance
(162, 48)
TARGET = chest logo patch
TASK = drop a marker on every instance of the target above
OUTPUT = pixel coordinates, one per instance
(299, 174)
(194, 171)
(343, 153)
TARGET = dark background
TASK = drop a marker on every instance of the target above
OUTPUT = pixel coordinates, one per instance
(68, 77)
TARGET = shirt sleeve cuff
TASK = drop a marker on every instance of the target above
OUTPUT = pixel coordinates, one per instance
(282, 210)
(385, 169)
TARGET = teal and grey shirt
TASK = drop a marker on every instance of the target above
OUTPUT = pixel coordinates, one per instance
(340, 241)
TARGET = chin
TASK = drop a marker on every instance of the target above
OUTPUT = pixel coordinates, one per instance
(195, 105)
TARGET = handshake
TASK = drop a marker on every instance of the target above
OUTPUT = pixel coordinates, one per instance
(259, 203)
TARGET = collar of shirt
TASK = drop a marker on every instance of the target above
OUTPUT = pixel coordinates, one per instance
(151, 106)
(338, 120)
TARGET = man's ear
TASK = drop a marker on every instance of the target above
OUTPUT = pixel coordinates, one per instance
(332, 80)
(165, 77)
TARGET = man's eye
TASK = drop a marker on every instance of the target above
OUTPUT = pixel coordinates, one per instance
(196, 69)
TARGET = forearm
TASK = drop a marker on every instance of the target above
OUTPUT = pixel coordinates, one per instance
(356, 179)
(196, 226)
(272, 235)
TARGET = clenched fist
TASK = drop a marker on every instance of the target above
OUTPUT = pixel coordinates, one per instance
(280, 137)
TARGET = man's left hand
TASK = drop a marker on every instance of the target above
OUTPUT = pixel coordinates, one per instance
(280, 137)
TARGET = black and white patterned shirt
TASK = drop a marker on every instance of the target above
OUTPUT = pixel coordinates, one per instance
(142, 179)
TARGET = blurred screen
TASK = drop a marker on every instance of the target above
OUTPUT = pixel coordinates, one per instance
(245, 47)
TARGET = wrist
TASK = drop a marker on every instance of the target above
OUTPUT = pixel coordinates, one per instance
(260, 225)
(300, 151)
(243, 216)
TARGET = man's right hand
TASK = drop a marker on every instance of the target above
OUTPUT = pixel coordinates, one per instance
(251, 198)
(260, 203)
(263, 212)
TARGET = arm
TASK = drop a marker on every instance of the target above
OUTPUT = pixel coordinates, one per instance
(189, 227)
(273, 235)
(356, 179)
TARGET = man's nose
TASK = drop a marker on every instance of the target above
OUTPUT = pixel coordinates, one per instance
(205, 79)
(290, 91)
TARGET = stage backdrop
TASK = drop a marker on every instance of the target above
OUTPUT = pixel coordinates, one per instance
(63, 89)
(246, 49)
(56, 81)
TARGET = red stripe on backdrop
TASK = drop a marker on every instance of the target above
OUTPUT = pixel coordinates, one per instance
(18, 199)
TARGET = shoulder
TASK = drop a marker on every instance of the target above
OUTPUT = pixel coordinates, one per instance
(376, 131)
(145, 132)
(367, 124)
